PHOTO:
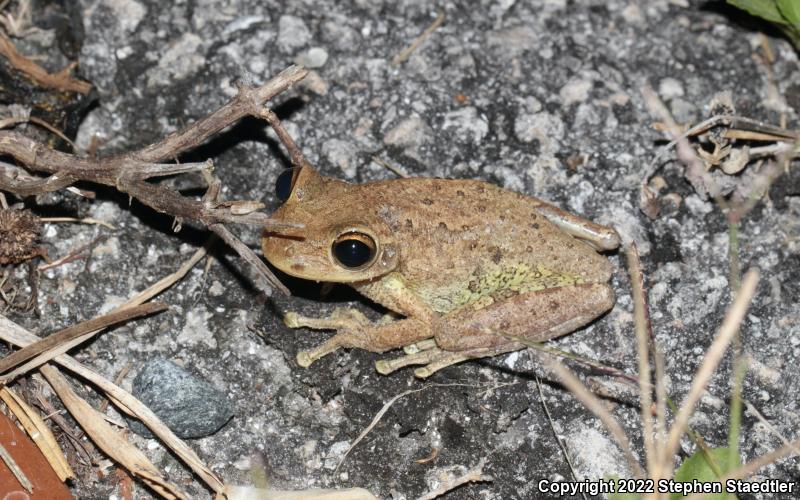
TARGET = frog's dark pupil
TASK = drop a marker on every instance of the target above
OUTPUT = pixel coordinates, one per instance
(352, 252)
(283, 185)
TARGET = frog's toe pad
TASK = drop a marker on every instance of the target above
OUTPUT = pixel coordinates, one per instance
(304, 359)
(292, 320)
(384, 367)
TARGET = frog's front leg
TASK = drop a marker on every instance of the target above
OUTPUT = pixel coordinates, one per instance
(353, 329)
(476, 331)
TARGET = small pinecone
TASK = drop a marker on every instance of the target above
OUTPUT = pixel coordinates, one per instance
(19, 232)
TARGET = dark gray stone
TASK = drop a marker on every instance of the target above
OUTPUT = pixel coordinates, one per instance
(191, 407)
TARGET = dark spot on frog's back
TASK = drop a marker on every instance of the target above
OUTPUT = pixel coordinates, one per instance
(535, 226)
(409, 224)
(460, 193)
(497, 255)
(427, 201)
(481, 208)
(298, 267)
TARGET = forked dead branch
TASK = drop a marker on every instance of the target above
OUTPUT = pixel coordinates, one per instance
(129, 172)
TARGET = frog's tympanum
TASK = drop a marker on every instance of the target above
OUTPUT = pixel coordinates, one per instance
(469, 266)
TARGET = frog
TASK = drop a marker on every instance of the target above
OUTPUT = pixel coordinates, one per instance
(466, 269)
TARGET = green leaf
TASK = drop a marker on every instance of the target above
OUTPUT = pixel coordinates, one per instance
(791, 11)
(697, 467)
(765, 9)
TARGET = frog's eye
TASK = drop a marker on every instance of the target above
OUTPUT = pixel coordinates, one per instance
(354, 249)
(285, 183)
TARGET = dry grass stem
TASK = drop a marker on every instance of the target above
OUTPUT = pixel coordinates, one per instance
(42, 350)
(406, 53)
(377, 418)
(253, 493)
(87, 220)
(752, 409)
(13, 333)
(474, 475)
(395, 169)
(594, 405)
(8, 460)
(641, 320)
(713, 356)
(555, 434)
(385, 408)
(107, 438)
(39, 433)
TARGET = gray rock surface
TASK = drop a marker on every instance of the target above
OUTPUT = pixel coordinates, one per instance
(505, 91)
(191, 407)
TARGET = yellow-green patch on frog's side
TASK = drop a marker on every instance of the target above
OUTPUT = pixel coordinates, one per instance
(463, 261)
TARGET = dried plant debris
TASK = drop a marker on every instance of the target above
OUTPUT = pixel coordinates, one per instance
(19, 236)
(726, 155)
(130, 173)
(60, 98)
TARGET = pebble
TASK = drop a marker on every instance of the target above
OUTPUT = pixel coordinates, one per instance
(411, 132)
(544, 127)
(468, 125)
(670, 88)
(343, 154)
(188, 405)
(575, 91)
(292, 33)
(315, 57)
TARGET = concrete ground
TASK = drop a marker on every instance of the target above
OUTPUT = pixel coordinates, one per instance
(541, 97)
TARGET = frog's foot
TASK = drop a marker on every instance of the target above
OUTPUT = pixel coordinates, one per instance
(433, 358)
(344, 319)
(305, 358)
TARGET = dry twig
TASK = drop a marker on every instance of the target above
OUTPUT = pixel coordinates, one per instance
(474, 475)
(60, 81)
(129, 173)
(59, 338)
(39, 433)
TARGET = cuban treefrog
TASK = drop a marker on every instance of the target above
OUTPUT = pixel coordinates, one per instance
(465, 263)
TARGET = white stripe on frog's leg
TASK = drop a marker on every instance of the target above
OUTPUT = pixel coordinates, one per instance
(422, 345)
(601, 237)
